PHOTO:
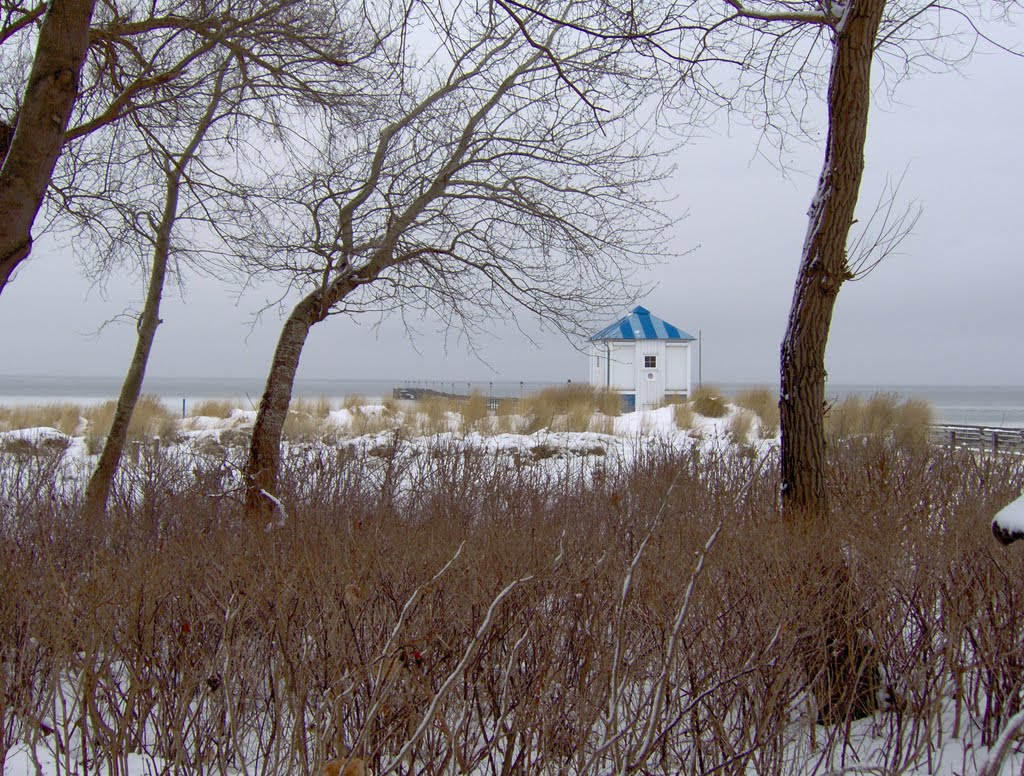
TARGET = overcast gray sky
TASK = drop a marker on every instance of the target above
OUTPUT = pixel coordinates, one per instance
(948, 310)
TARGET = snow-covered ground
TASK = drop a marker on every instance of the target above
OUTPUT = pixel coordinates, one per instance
(954, 757)
(374, 427)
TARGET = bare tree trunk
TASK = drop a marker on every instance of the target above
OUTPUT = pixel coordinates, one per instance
(98, 491)
(264, 463)
(844, 665)
(42, 120)
(823, 265)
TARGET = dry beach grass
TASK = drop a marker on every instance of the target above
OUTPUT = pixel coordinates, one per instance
(455, 610)
(571, 408)
(763, 402)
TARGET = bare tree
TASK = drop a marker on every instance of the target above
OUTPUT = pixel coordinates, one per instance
(66, 74)
(480, 188)
(159, 231)
(250, 64)
(800, 45)
(823, 265)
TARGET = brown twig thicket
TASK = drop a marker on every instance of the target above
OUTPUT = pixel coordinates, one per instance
(452, 611)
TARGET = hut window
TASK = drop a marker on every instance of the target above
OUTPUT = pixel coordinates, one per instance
(650, 362)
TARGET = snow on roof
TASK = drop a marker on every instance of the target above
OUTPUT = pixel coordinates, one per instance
(640, 324)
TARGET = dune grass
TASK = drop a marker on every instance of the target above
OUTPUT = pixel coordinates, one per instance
(65, 417)
(881, 415)
(307, 419)
(215, 408)
(576, 408)
(683, 415)
(708, 401)
(913, 418)
(435, 415)
(764, 403)
(151, 419)
(739, 426)
(568, 408)
(366, 418)
(475, 414)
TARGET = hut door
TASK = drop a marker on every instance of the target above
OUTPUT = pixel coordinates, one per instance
(650, 381)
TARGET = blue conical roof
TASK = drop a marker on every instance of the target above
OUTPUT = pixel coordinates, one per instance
(640, 324)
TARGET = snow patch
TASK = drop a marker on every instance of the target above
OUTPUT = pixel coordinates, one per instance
(1008, 524)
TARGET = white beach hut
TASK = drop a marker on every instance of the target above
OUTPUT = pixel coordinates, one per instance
(642, 358)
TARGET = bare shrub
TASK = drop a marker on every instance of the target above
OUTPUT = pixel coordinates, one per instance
(433, 607)
(34, 479)
(707, 401)
(234, 438)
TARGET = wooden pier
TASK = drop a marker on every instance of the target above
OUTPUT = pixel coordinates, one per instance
(415, 394)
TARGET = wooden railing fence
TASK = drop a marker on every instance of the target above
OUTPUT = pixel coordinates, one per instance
(988, 438)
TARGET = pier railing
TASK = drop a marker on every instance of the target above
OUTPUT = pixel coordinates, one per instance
(987, 438)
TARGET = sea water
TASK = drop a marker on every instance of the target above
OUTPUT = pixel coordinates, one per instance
(247, 390)
(984, 405)
(998, 406)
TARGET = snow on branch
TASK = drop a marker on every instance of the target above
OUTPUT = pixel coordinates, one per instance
(800, 17)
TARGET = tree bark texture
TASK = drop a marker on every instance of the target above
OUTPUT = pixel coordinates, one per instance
(823, 265)
(100, 483)
(264, 463)
(42, 120)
